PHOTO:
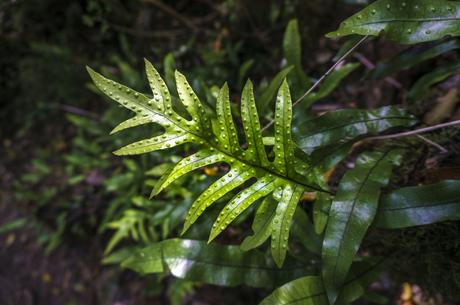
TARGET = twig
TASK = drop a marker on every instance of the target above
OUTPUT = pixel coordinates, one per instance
(316, 84)
(432, 143)
(414, 132)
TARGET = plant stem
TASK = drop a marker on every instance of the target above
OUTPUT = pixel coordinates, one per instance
(415, 132)
(316, 84)
(432, 143)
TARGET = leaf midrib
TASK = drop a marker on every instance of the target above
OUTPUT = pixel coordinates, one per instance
(409, 20)
(366, 178)
(283, 219)
(239, 175)
(210, 145)
(243, 200)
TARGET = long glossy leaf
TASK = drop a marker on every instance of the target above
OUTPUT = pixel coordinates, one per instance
(345, 125)
(293, 52)
(352, 212)
(420, 205)
(425, 82)
(310, 290)
(412, 57)
(408, 22)
(213, 264)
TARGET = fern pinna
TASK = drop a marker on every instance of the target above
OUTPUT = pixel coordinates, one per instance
(218, 138)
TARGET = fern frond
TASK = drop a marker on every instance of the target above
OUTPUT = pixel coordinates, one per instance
(219, 142)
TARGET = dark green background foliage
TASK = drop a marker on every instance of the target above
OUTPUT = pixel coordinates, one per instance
(76, 220)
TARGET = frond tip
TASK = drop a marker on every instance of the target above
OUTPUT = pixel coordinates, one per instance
(219, 144)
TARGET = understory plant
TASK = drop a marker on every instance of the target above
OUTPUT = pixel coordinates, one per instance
(273, 167)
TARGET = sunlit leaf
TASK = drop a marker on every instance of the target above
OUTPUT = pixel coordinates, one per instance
(213, 264)
(219, 142)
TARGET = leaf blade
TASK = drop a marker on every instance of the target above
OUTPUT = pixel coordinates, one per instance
(283, 146)
(234, 178)
(344, 125)
(197, 261)
(199, 159)
(261, 225)
(229, 136)
(422, 20)
(256, 149)
(241, 202)
(281, 222)
(420, 205)
(351, 214)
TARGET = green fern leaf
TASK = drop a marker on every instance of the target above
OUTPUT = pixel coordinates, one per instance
(261, 225)
(284, 213)
(219, 142)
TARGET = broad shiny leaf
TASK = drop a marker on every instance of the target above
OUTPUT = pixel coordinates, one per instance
(408, 22)
(352, 212)
(341, 126)
(310, 290)
(213, 264)
(419, 205)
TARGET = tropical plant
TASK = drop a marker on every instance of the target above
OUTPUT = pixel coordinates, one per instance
(274, 172)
